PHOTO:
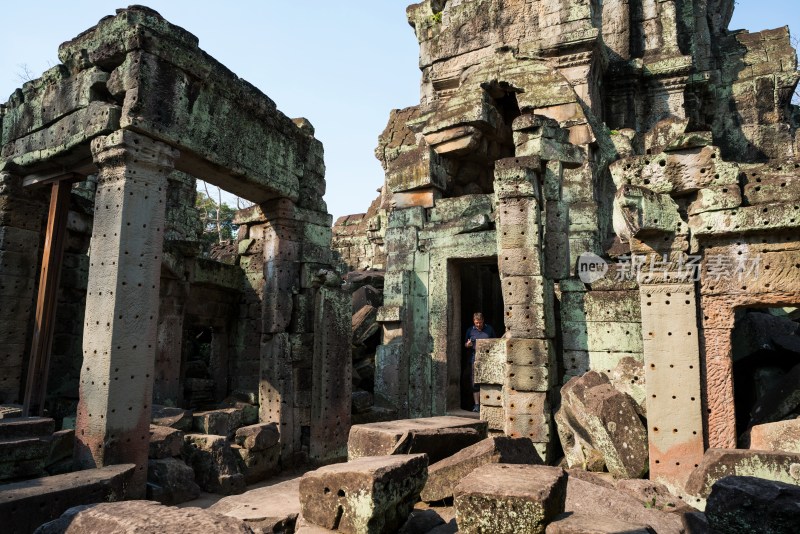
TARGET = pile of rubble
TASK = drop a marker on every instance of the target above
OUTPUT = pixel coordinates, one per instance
(444, 475)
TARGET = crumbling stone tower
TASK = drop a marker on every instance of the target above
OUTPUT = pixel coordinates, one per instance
(136, 103)
(638, 131)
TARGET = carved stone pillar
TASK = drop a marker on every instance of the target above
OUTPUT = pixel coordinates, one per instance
(121, 322)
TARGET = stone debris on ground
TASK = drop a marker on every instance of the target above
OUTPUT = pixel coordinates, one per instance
(504, 498)
(370, 494)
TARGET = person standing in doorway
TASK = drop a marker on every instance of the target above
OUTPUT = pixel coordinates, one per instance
(478, 330)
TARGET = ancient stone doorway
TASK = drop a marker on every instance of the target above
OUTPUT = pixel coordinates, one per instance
(479, 289)
(765, 348)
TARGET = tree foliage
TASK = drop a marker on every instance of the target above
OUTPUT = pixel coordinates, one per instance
(217, 219)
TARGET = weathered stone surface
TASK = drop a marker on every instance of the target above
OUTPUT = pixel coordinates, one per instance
(422, 521)
(272, 508)
(26, 505)
(740, 505)
(720, 463)
(369, 494)
(596, 421)
(172, 417)
(223, 422)
(170, 481)
(444, 475)
(572, 523)
(142, 517)
(257, 465)
(23, 457)
(165, 442)
(62, 446)
(215, 464)
(258, 437)
(510, 498)
(779, 436)
(594, 499)
(779, 401)
(364, 323)
(26, 427)
(376, 439)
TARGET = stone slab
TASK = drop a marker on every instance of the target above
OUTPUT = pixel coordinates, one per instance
(444, 475)
(276, 506)
(26, 427)
(375, 439)
(368, 495)
(26, 505)
(503, 498)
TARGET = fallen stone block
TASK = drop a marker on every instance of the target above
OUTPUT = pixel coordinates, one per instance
(170, 481)
(258, 437)
(23, 457)
(743, 505)
(215, 465)
(165, 442)
(381, 438)
(502, 498)
(602, 500)
(26, 505)
(570, 523)
(778, 436)
(222, 422)
(361, 401)
(257, 465)
(366, 295)
(272, 509)
(596, 417)
(26, 427)
(367, 495)
(653, 495)
(173, 417)
(422, 522)
(8, 411)
(437, 443)
(364, 324)
(720, 463)
(142, 517)
(444, 475)
(779, 401)
(62, 445)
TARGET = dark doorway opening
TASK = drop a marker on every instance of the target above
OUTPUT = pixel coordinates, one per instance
(480, 291)
(766, 361)
(198, 385)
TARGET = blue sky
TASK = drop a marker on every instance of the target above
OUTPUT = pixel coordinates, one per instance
(343, 65)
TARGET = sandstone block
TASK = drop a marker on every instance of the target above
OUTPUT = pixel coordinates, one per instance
(26, 427)
(170, 481)
(376, 439)
(258, 437)
(502, 498)
(587, 498)
(174, 417)
(257, 465)
(719, 463)
(272, 508)
(596, 417)
(572, 523)
(367, 495)
(779, 436)
(165, 442)
(142, 517)
(444, 475)
(215, 465)
(26, 505)
(222, 422)
(741, 505)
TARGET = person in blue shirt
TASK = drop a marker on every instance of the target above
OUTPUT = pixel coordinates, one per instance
(478, 330)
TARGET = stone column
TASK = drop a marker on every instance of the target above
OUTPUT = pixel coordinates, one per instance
(672, 378)
(332, 376)
(121, 321)
(21, 218)
(282, 240)
(528, 304)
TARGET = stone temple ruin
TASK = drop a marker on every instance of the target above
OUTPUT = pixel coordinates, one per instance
(615, 185)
